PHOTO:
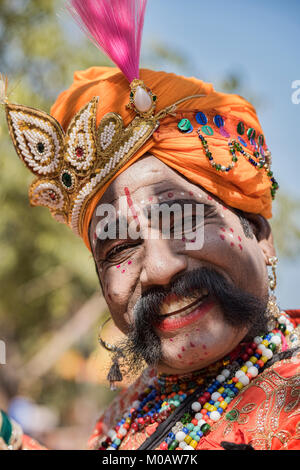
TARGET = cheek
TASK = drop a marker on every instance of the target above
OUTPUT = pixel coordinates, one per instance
(118, 283)
(232, 237)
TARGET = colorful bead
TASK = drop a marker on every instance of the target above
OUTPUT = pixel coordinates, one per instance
(207, 130)
(218, 120)
(153, 407)
(201, 118)
(251, 133)
(184, 125)
(241, 128)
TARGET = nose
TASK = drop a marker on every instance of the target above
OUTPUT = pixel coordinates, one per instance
(161, 264)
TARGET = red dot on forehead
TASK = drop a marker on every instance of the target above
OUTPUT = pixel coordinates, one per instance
(222, 237)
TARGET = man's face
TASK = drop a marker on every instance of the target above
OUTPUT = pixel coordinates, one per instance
(193, 329)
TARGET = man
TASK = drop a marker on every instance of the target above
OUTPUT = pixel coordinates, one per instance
(221, 360)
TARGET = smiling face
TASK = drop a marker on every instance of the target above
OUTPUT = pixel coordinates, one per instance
(193, 329)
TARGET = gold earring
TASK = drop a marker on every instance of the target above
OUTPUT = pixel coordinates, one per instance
(114, 374)
(272, 277)
(272, 306)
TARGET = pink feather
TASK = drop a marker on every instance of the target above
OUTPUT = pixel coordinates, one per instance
(116, 27)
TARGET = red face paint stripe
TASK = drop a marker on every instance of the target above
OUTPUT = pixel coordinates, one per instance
(130, 203)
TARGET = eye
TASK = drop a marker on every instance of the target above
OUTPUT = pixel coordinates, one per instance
(119, 250)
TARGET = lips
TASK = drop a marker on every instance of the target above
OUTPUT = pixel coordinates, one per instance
(186, 315)
(174, 304)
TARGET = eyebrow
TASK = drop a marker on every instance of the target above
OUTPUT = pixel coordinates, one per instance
(180, 202)
(147, 211)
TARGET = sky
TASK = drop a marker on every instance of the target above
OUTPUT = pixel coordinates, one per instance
(260, 42)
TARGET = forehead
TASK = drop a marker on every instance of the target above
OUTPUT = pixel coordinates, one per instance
(145, 177)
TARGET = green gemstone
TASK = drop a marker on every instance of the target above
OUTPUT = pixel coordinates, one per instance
(234, 159)
(251, 133)
(207, 130)
(282, 327)
(173, 445)
(241, 128)
(272, 346)
(218, 167)
(67, 180)
(205, 428)
(184, 125)
(131, 94)
(232, 415)
(40, 147)
(190, 426)
(270, 173)
(154, 98)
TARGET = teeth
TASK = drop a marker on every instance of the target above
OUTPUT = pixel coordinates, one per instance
(171, 305)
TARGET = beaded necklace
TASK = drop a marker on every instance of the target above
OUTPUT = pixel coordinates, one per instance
(230, 375)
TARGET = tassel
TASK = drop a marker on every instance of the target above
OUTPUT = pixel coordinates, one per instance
(114, 26)
(114, 374)
(3, 89)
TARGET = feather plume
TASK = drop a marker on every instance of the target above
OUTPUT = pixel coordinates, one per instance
(115, 26)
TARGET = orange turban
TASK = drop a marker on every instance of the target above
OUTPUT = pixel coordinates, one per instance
(245, 187)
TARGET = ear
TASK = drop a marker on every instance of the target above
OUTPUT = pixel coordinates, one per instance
(263, 233)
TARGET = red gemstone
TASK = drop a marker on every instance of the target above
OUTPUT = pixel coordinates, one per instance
(163, 446)
(52, 196)
(79, 152)
(135, 426)
(202, 400)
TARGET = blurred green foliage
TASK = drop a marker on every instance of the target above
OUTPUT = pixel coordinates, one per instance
(45, 272)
